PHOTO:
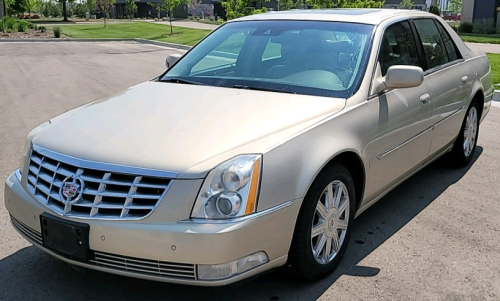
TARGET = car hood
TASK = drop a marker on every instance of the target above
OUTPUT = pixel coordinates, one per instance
(182, 128)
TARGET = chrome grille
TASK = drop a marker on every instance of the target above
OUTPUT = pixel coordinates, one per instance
(145, 266)
(27, 231)
(102, 195)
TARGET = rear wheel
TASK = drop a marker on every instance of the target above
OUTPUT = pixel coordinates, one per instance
(324, 223)
(465, 145)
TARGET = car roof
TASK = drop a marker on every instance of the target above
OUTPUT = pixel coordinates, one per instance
(365, 16)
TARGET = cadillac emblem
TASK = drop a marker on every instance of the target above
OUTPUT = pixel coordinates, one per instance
(71, 190)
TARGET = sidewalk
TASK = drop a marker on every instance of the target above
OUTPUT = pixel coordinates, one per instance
(184, 23)
(488, 48)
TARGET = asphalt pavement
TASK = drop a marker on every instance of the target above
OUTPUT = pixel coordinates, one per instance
(436, 237)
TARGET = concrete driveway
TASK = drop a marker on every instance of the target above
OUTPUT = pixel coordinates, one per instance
(436, 237)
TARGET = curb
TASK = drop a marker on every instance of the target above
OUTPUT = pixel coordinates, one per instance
(164, 44)
(137, 40)
(496, 99)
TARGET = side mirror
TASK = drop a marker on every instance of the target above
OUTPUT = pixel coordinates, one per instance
(171, 59)
(400, 76)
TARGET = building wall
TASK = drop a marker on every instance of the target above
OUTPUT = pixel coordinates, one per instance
(484, 9)
(467, 10)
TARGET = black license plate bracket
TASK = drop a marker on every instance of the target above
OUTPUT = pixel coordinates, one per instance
(66, 238)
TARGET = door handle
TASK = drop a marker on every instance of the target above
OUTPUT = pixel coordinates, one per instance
(465, 78)
(425, 99)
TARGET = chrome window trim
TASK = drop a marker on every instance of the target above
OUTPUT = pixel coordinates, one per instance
(401, 19)
(81, 163)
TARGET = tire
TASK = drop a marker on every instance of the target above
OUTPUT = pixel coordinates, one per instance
(461, 155)
(336, 220)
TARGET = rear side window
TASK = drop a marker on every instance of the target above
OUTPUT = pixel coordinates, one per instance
(398, 47)
(434, 48)
(451, 48)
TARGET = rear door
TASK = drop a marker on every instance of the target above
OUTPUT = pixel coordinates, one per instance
(450, 79)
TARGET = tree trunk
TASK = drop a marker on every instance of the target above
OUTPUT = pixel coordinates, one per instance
(65, 11)
(4, 14)
(170, 17)
(105, 21)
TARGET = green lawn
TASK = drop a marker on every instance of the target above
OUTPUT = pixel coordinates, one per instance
(481, 38)
(143, 30)
(495, 67)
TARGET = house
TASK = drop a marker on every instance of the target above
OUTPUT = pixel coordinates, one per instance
(417, 4)
(146, 9)
(475, 10)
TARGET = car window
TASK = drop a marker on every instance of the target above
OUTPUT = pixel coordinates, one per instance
(272, 51)
(434, 49)
(398, 47)
(451, 49)
(302, 57)
(223, 55)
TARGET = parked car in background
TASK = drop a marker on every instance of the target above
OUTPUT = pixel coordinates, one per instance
(452, 17)
(255, 150)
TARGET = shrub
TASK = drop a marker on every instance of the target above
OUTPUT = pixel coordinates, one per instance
(42, 28)
(484, 26)
(10, 23)
(465, 27)
(22, 26)
(164, 18)
(220, 22)
(31, 25)
(57, 31)
(434, 9)
(156, 19)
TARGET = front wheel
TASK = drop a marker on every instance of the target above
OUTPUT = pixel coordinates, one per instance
(323, 225)
(465, 145)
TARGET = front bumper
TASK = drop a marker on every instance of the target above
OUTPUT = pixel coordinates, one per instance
(138, 248)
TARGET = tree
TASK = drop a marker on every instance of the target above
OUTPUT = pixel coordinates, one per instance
(239, 8)
(288, 4)
(320, 3)
(29, 5)
(130, 7)
(91, 5)
(169, 6)
(406, 4)
(104, 6)
(65, 8)
(360, 3)
(455, 6)
(434, 9)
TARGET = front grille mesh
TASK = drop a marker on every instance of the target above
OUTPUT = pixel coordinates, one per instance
(104, 195)
(145, 266)
(27, 231)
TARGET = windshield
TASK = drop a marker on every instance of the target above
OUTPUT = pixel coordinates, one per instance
(302, 57)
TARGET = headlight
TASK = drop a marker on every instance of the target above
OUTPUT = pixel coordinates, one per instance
(230, 190)
(27, 143)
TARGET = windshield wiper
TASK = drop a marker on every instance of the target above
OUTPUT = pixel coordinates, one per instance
(181, 81)
(263, 89)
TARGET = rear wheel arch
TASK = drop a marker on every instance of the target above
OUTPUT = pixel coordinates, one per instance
(479, 98)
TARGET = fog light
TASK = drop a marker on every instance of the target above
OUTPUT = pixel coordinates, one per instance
(231, 269)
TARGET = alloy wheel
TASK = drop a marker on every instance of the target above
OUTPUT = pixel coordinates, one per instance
(331, 218)
(470, 132)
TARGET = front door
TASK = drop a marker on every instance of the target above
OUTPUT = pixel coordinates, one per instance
(403, 137)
